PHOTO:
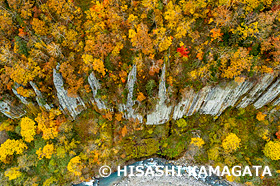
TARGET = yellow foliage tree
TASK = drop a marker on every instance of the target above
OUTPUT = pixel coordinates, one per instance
(260, 116)
(13, 173)
(181, 122)
(253, 4)
(25, 92)
(162, 41)
(172, 15)
(199, 142)
(140, 39)
(7, 126)
(239, 62)
(9, 147)
(48, 151)
(272, 150)
(118, 116)
(50, 181)
(28, 129)
(216, 34)
(75, 166)
(150, 4)
(231, 143)
(141, 96)
(24, 71)
(97, 64)
(6, 17)
(213, 153)
(47, 124)
(39, 27)
(245, 30)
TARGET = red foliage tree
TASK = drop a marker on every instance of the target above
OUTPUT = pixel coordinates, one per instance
(183, 51)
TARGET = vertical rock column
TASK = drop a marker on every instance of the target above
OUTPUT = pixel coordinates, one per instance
(198, 100)
(39, 98)
(95, 86)
(256, 91)
(74, 105)
(162, 112)
(272, 92)
(11, 111)
(22, 99)
(127, 108)
(222, 96)
(190, 103)
(183, 106)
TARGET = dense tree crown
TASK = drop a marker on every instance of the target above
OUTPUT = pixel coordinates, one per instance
(208, 40)
(200, 42)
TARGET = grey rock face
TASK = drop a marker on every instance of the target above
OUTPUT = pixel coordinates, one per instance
(22, 99)
(11, 111)
(236, 92)
(214, 100)
(182, 108)
(161, 114)
(219, 98)
(39, 98)
(198, 100)
(127, 108)
(276, 102)
(209, 100)
(256, 91)
(95, 86)
(272, 92)
(68, 104)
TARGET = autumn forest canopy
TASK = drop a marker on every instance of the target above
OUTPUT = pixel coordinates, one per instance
(201, 42)
(207, 40)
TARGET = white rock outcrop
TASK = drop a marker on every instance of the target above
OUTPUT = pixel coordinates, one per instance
(162, 112)
(214, 100)
(221, 97)
(256, 91)
(272, 92)
(182, 108)
(209, 100)
(198, 100)
(39, 98)
(22, 99)
(127, 109)
(72, 105)
(11, 111)
(95, 86)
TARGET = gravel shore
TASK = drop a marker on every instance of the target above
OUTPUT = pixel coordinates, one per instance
(160, 181)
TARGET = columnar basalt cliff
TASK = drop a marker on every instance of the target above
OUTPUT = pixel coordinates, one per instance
(39, 98)
(95, 86)
(211, 100)
(256, 91)
(127, 108)
(71, 105)
(162, 112)
(22, 99)
(10, 110)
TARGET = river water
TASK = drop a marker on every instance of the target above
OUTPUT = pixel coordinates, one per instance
(122, 180)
